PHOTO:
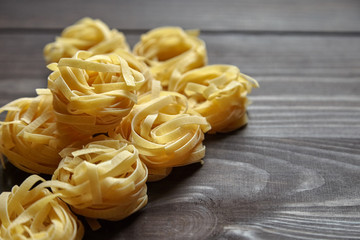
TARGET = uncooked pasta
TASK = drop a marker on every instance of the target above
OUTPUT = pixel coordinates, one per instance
(31, 211)
(164, 130)
(29, 137)
(86, 34)
(92, 93)
(110, 120)
(217, 92)
(105, 179)
(137, 63)
(167, 49)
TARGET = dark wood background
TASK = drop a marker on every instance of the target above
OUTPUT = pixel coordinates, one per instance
(292, 173)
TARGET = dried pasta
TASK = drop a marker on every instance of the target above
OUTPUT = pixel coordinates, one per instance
(86, 34)
(105, 179)
(137, 63)
(33, 212)
(168, 48)
(92, 93)
(29, 137)
(217, 92)
(163, 129)
(110, 121)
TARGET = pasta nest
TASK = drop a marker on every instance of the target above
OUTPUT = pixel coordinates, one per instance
(168, 48)
(105, 179)
(29, 212)
(165, 132)
(217, 92)
(29, 136)
(86, 34)
(92, 93)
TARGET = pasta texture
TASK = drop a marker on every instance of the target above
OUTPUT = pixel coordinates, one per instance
(137, 63)
(217, 92)
(92, 93)
(36, 213)
(168, 49)
(109, 121)
(87, 34)
(166, 133)
(105, 179)
(29, 136)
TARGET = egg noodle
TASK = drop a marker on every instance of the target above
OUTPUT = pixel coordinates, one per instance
(110, 121)
(165, 131)
(217, 92)
(168, 48)
(92, 93)
(137, 63)
(105, 179)
(86, 34)
(29, 137)
(31, 211)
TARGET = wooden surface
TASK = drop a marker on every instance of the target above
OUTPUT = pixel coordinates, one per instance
(292, 173)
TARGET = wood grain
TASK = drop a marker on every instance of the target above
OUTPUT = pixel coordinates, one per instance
(253, 188)
(268, 188)
(292, 173)
(224, 15)
(264, 55)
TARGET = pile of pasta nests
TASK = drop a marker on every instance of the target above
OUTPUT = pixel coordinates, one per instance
(110, 120)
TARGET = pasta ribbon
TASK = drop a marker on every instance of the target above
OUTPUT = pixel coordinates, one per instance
(33, 212)
(86, 34)
(217, 92)
(105, 179)
(29, 136)
(166, 133)
(137, 63)
(92, 93)
(167, 49)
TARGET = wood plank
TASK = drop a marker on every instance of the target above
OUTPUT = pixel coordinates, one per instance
(289, 55)
(292, 173)
(248, 15)
(314, 107)
(256, 55)
(267, 188)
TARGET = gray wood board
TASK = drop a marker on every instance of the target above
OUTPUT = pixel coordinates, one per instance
(292, 173)
(224, 15)
(257, 55)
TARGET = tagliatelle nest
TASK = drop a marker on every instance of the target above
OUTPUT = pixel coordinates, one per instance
(171, 48)
(86, 34)
(93, 93)
(217, 92)
(110, 121)
(105, 179)
(166, 133)
(29, 212)
(29, 136)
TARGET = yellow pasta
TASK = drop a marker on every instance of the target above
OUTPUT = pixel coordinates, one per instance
(86, 34)
(29, 136)
(137, 63)
(105, 179)
(29, 212)
(168, 49)
(164, 131)
(217, 92)
(92, 93)
(156, 174)
(110, 121)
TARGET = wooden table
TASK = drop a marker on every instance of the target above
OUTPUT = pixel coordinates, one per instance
(292, 173)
